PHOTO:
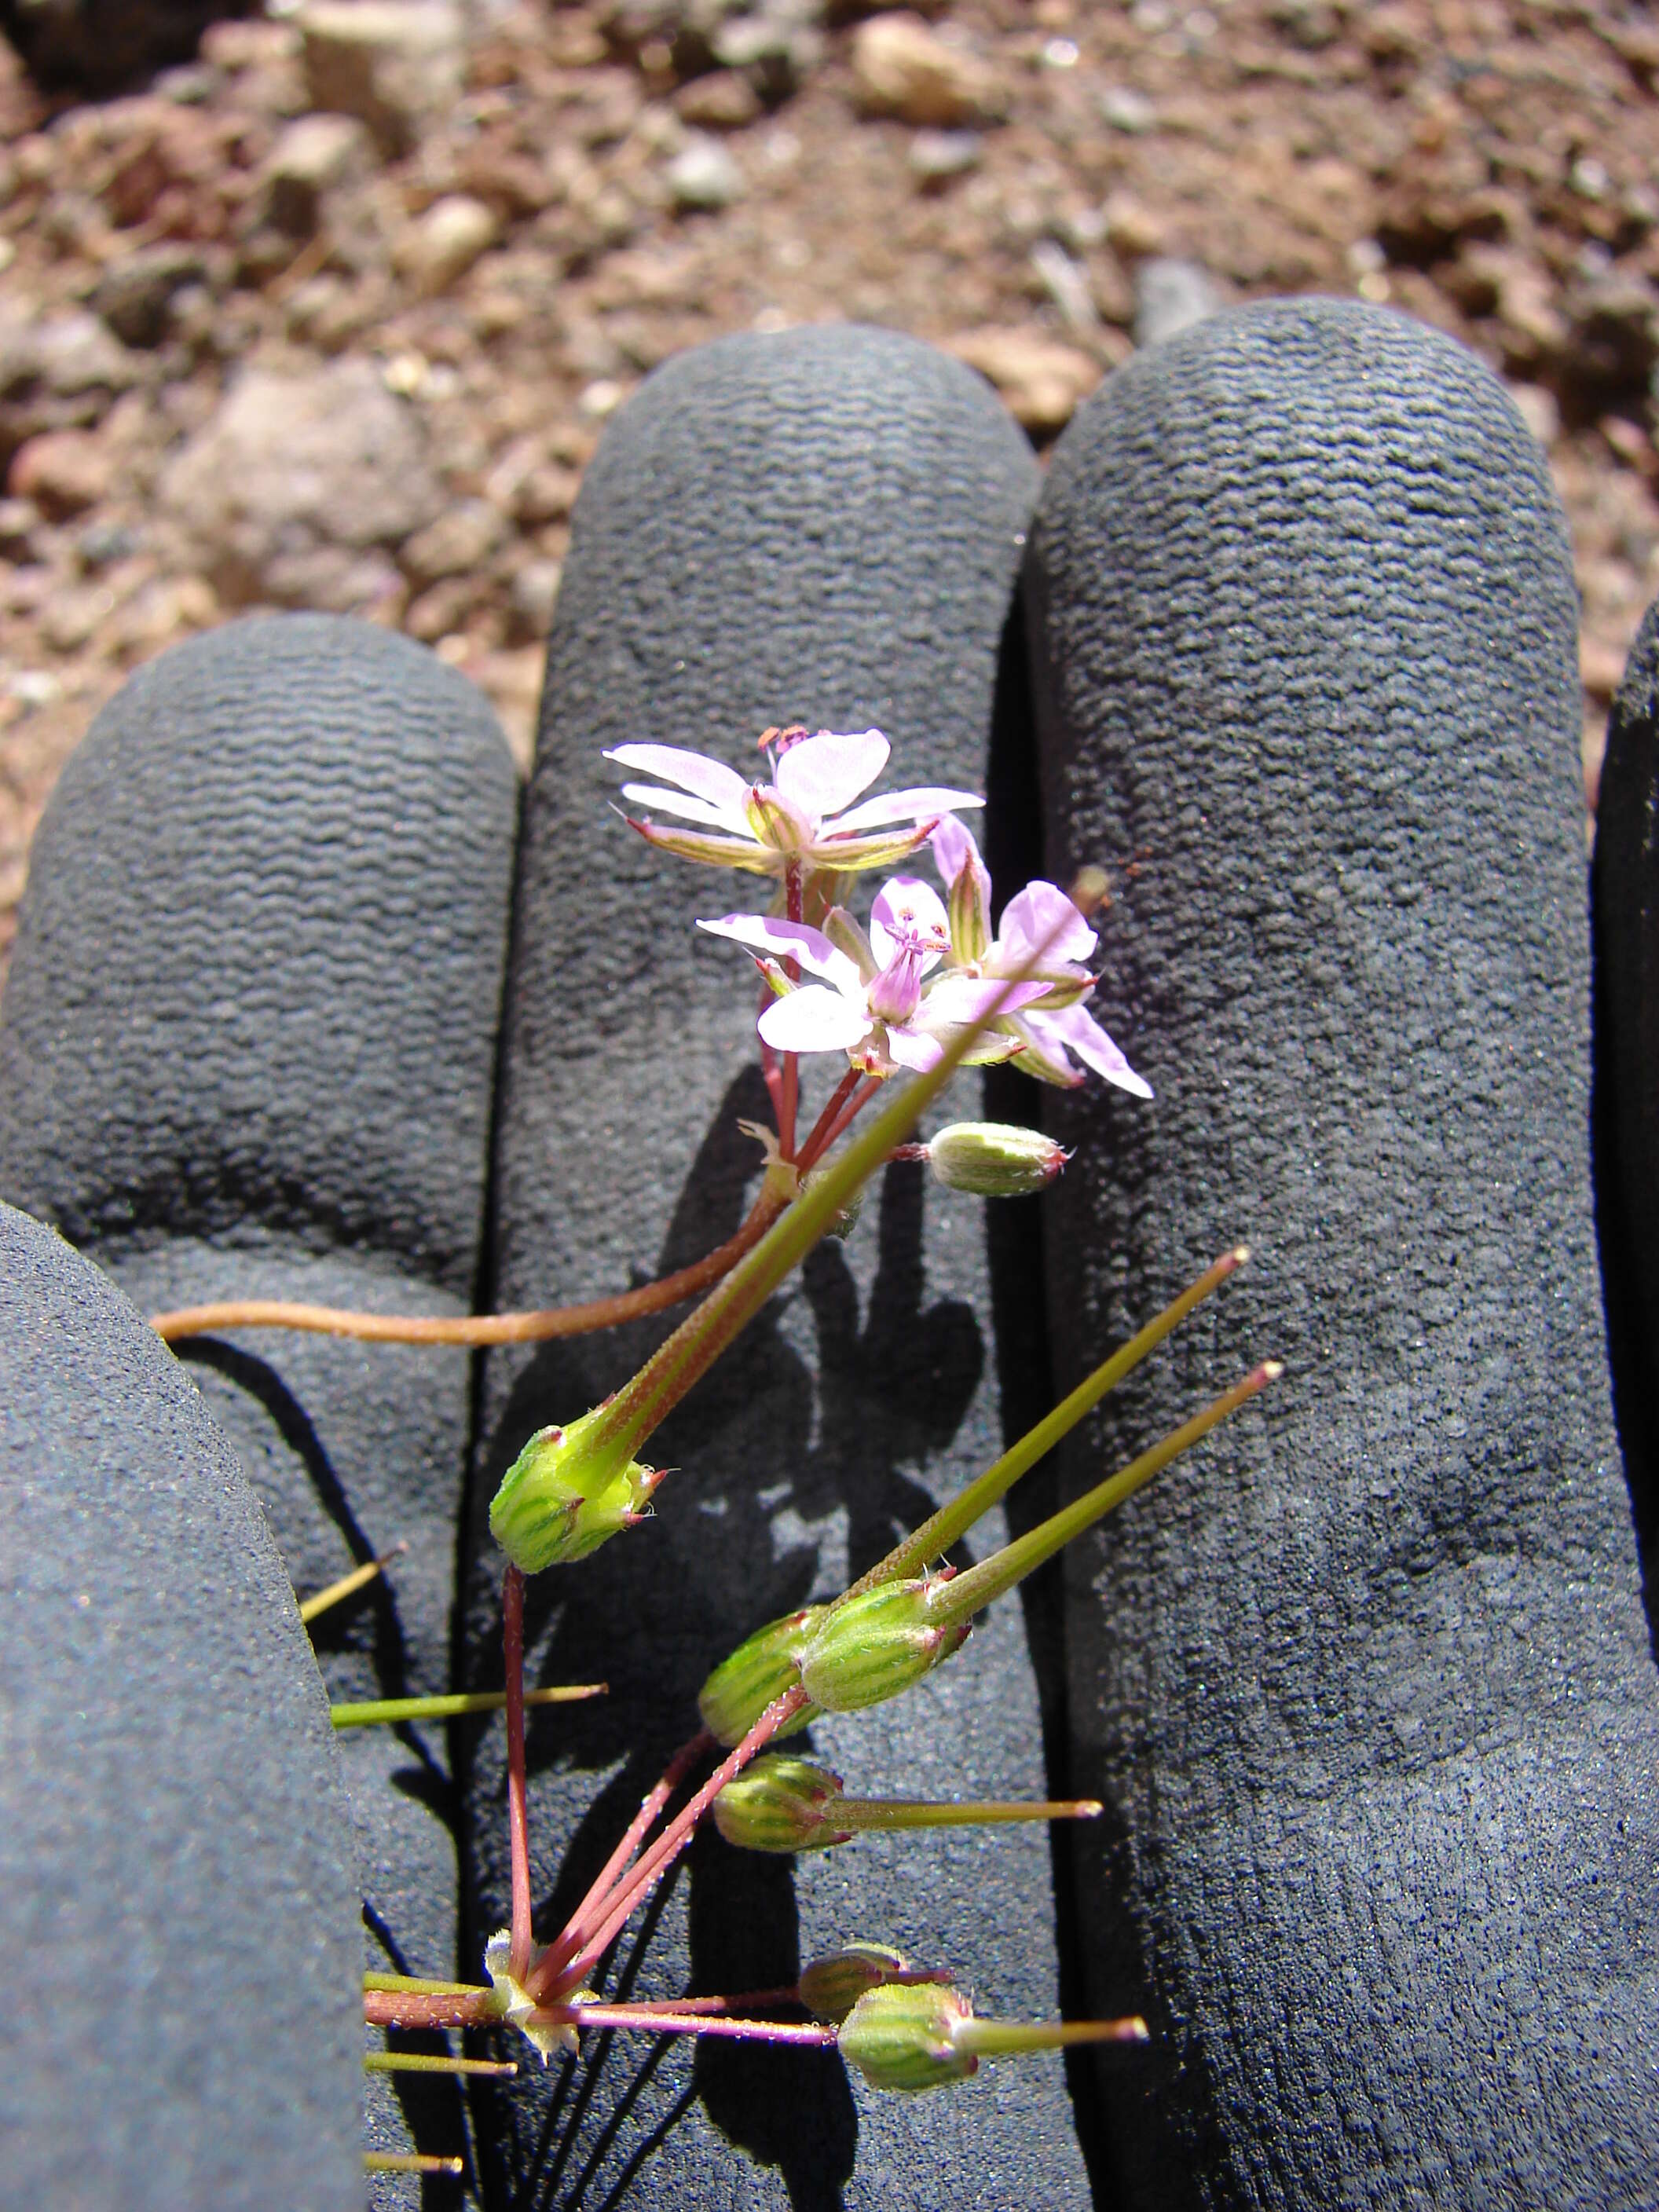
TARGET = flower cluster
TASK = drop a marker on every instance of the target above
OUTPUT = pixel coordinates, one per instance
(891, 998)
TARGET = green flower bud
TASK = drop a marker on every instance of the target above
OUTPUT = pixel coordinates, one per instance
(831, 1986)
(872, 1646)
(902, 2036)
(569, 1490)
(760, 1670)
(994, 1159)
(779, 1803)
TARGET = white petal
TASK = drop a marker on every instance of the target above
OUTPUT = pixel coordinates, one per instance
(820, 774)
(814, 1019)
(913, 1051)
(712, 780)
(917, 805)
(678, 802)
(791, 940)
(908, 913)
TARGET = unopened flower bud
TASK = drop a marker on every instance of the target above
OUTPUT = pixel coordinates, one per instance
(780, 1803)
(764, 1666)
(994, 1159)
(831, 1986)
(873, 1646)
(567, 1492)
(902, 2036)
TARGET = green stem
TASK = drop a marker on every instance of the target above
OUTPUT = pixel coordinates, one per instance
(420, 2062)
(866, 1814)
(642, 1404)
(990, 2038)
(967, 1593)
(953, 1520)
(385, 1710)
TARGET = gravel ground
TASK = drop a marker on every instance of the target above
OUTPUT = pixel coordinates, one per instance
(332, 315)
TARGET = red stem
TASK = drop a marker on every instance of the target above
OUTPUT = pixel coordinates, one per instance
(616, 1866)
(791, 881)
(415, 2009)
(817, 1145)
(645, 1876)
(663, 2023)
(518, 1811)
(838, 1097)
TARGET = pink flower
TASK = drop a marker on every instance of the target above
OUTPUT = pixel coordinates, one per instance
(806, 816)
(873, 1002)
(1055, 1024)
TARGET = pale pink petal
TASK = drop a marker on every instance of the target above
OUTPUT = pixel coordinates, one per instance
(712, 780)
(1077, 1029)
(954, 1001)
(954, 849)
(678, 802)
(899, 807)
(1041, 920)
(814, 1019)
(791, 940)
(910, 1049)
(821, 773)
(908, 915)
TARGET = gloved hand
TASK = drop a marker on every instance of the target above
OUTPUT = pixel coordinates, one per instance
(1366, 1687)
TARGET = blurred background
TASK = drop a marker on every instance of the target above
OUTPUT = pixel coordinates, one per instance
(324, 303)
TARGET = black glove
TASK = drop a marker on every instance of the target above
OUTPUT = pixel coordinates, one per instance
(1366, 1686)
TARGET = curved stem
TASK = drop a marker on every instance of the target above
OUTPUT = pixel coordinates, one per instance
(475, 1330)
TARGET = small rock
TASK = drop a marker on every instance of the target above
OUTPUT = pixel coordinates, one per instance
(775, 48)
(102, 544)
(70, 617)
(725, 101)
(1066, 283)
(1124, 109)
(440, 611)
(311, 157)
(703, 176)
(63, 471)
(443, 243)
(391, 63)
(1130, 228)
(1041, 381)
(291, 466)
(1538, 409)
(60, 373)
(901, 66)
(533, 596)
(936, 156)
(19, 520)
(545, 494)
(135, 295)
(1614, 347)
(457, 544)
(1170, 295)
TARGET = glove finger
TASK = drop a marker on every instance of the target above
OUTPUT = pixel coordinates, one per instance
(177, 1902)
(1367, 1685)
(821, 527)
(248, 1052)
(1625, 887)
